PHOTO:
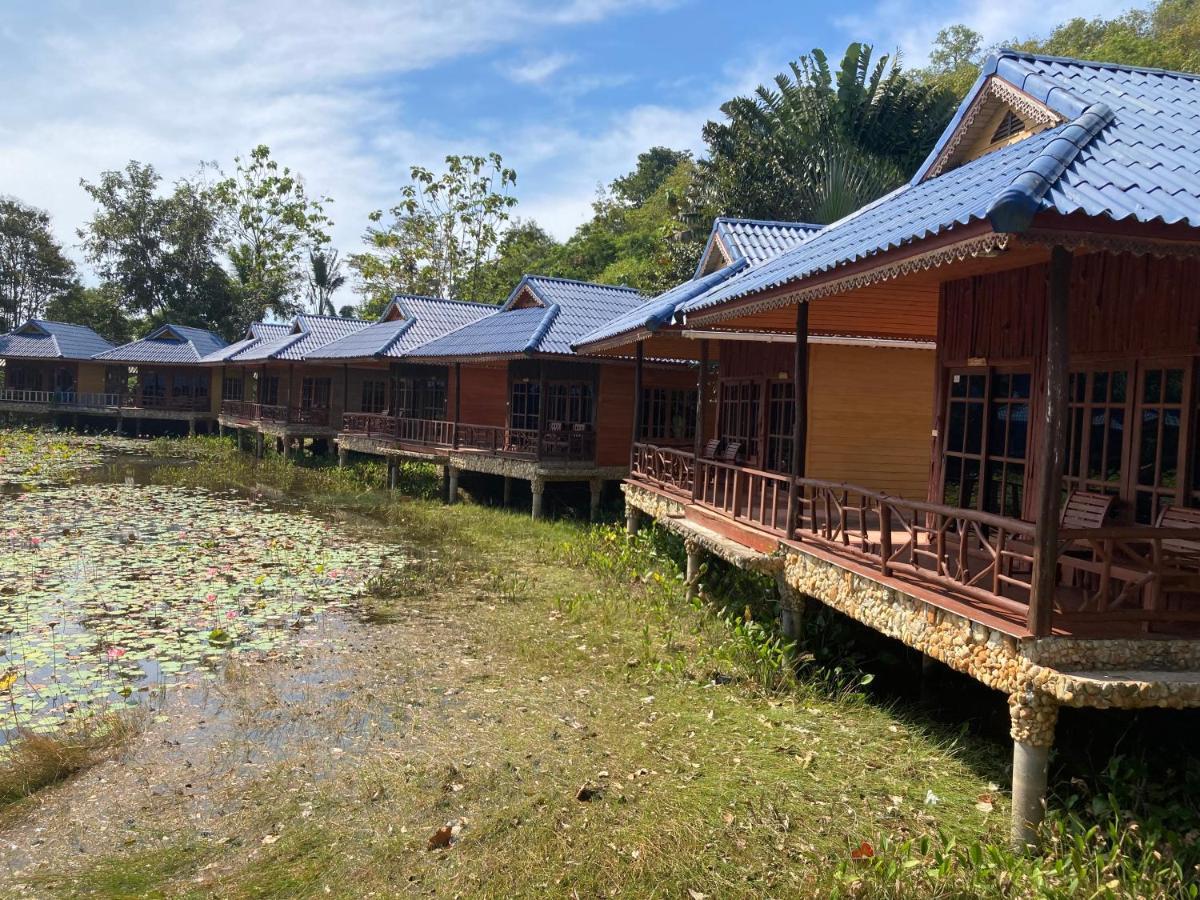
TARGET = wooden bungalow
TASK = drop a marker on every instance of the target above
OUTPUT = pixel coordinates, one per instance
(159, 377)
(518, 402)
(273, 392)
(46, 369)
(1021, 504)
(388, 402)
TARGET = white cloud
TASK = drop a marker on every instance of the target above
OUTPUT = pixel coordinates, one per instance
(87, 87)
(536, 69)
(911, 25)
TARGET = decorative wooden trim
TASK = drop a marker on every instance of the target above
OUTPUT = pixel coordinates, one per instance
(994, 90)
(985, 244)
(1112, 243)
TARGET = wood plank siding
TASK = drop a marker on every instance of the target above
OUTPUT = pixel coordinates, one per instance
(871, 414)
(484, 394)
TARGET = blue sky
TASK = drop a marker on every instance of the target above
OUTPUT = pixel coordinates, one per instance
(352, 94)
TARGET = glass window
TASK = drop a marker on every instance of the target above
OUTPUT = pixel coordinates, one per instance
(374, 395)
(781, 418)
(1157, 448)
(525, 405)
(739, 415)
(668, 415)
(987, 436)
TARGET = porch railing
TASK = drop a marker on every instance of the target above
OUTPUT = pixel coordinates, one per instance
(273, 412)
(61, 398)
(568, 444)
(240, 409)
(1140, 578)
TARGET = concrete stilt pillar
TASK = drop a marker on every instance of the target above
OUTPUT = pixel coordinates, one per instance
(792, 606)
(1034, 716)
(192, 427)
(220, 429)
(287, 447)
(692, 574)
(393, 474)
(508, 482)
(237, 434)
(451, 484)
(343, 457)
(633, 519)
(537, 486)
(597, 491)
(260, 445)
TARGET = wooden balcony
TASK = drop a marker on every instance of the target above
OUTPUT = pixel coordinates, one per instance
(72, 401)
(276, 414)
(556, 444)
(1111, 582)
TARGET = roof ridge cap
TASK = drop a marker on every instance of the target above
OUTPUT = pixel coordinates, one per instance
(779, 222)
(543, 327)
(1013, 208)
(611, 287)
(1012, 53)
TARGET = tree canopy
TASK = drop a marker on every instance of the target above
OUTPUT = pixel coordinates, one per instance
(33, 270)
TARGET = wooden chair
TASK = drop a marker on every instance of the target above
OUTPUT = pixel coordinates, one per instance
(1180, 517)
(731, 452)
(711, 448)
(1085, 509)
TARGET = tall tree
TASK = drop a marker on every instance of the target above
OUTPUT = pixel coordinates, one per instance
(954, 60)
(99, 308)
(441, 235)
(268, 224)
(159, 251)
(821, 143)
(653, 167)
(524, 247)
(325, 277)
(33, 269)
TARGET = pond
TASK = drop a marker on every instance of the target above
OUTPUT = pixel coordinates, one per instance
(112, 591)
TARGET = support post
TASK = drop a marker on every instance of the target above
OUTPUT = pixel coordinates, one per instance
(537, 486)
(457, 404)
(238, 433)
(799, 416)
(220, 429)
(542, 406)
(597, 491)
(260, 445)
(287, 447)
(701, 394)
(633, 519)
(792, 606)
(507, 490)
(191, 426)
(692, 573)
(452, 485)
(1034, 716)
(639, 360)
(393, 474)
(445, 484)
(1054, 442)
(343, 456)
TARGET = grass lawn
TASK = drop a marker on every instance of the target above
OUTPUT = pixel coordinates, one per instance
(546, 715)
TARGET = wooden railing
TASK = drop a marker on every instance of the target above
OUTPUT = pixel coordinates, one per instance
(1147, 577)
(240, 409)
(521, 443)
(369, 424)
(308, 415)
(169, 404)
(424, 432)
(61, 398)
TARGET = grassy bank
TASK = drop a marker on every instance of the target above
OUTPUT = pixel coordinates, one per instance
(561, 722)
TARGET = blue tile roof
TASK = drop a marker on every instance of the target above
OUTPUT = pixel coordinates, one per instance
(754, 240)
(305, 334)
(43, 339)
(167, 344)
(420, 319)
(1128, 149)
(255, 334)
(567, 311)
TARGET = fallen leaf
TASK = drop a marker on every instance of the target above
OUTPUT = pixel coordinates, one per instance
(441, 838)
(864, 851)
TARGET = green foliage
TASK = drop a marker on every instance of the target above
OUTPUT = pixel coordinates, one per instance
(268, 223)
(99, 308)
(159, 251)
(524, 248)
(821, 143)
(954, 61)
(325, 278)
(33, 270)
(441, 235)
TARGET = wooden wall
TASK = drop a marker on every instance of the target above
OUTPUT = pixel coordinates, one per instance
(871, 416)
(484, 394)
(1121, 306)
(90, 378)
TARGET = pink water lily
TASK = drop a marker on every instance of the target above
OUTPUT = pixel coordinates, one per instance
(115, 652)
(211, 598)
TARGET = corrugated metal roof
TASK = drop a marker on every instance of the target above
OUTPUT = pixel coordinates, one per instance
(167, 344)
(43, 339)
(569, 310)
(1129, 150)
(305, 334)
(422, 319)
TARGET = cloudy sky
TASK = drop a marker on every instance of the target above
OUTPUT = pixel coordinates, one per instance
(352, 93)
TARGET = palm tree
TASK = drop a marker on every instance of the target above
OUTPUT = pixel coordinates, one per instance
(325, 276)
(818, 144)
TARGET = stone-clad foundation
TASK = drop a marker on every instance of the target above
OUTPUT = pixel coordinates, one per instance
(1037, 674)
